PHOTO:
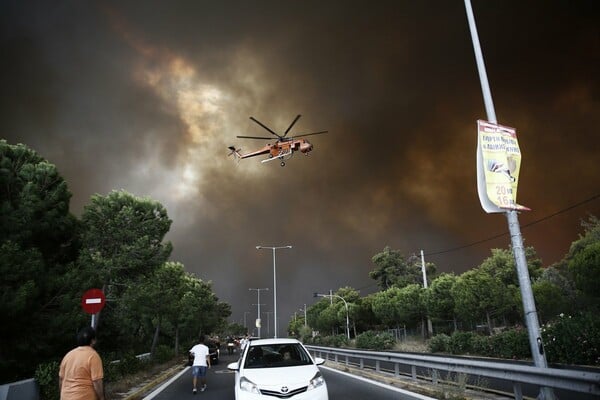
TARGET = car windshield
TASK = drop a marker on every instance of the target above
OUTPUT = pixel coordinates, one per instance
(276, 355)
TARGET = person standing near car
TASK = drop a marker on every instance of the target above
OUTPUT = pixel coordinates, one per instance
(80, 375)
(200, 364)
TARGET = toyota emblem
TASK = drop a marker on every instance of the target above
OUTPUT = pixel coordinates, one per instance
(284, 389)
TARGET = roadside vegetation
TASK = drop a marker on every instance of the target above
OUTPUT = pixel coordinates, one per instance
(478, 312)
(49, 258)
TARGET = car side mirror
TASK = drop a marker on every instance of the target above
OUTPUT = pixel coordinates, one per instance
(319, 361)
(233, 366)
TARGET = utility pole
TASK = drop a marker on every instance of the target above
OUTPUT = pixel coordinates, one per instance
(305, 323)
(429, 326)
(268, 322)
(245, 324)
(258, 310)
(531, 319)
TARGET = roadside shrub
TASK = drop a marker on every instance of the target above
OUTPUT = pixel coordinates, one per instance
(482, 345)
(129, 364)
(317, 340)
(513, 344)
(46, 376)
(111, 371)
(573, 339)
(375, 340)
(439, 343)
(461, 342)
(163, 354)
(335, 341)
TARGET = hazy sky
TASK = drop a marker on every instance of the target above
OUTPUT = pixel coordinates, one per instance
(146, 96)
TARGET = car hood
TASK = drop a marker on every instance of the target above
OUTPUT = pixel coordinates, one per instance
(291, 376)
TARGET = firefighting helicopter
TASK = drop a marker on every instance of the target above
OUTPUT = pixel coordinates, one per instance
(282, 149)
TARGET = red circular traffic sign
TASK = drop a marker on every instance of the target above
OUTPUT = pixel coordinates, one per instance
(93, 301)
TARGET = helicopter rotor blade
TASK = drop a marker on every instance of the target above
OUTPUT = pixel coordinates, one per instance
(292, 124)
(308, 134)
(255, 137)
(266, 127)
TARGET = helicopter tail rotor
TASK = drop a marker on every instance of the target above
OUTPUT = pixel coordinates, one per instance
(235, 153)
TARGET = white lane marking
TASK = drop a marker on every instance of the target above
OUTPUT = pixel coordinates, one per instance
(162, 387)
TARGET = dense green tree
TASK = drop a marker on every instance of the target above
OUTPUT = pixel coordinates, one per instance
(37, 248)
(322, 316)
(393, 269)
(554, 294)
(352, 298)
(501, 264)
(411, 306)
(479, 296)
(295, 326)
(439, 300)
(156, 298)
(364, 318)
(122, 238)
(202, 312)
(386, 305)
(585, 269)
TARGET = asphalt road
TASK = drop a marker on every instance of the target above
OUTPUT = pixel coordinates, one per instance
(220, 386)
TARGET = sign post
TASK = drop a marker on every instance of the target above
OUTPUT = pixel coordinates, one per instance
(92, 302)
(501, 146)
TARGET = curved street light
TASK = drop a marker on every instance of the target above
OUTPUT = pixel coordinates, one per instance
(345, 303)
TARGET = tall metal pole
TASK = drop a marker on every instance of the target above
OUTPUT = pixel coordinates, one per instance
(245, 324)
(531, 319)
(274, 283)
(305, 323)
(258, 310)
(429, 326)
(274, 296)
(268, 322)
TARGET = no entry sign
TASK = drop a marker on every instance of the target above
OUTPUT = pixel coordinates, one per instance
(93, 301)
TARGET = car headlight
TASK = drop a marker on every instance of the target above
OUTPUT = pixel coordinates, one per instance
(248, 386)
(316, 381)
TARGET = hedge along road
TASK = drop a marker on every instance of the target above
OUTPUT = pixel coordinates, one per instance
(220, 381)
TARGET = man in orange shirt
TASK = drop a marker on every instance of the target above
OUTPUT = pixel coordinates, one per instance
(80, 375)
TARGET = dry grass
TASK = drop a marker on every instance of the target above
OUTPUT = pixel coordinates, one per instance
(117, 390)
(412, 345)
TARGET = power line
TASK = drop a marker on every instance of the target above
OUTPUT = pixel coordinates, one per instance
(501, 234)
(594, 197)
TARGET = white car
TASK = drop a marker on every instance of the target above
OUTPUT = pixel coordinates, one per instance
(279, 368)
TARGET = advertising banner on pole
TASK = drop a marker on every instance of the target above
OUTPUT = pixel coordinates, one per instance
(498, 167)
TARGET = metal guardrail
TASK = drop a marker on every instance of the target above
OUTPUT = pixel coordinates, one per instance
(572, 380)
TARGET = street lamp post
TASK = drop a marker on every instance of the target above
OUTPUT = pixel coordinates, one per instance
(345, 304)
(268, 322)
(245, 324)
(258, 324)
(304, 315)
(274, 283)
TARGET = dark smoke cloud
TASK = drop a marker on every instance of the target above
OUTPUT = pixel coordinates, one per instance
(146, 96)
